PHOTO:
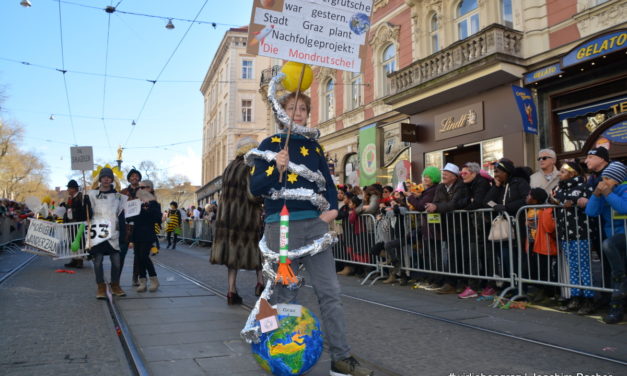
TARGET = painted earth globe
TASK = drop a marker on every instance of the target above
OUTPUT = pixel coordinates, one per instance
(293, 348)
(359, 23)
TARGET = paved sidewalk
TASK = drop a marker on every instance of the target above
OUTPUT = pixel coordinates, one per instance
(52, 324)
(184, 329)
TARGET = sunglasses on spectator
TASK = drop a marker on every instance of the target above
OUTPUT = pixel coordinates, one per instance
(544, 158)
(143, 187)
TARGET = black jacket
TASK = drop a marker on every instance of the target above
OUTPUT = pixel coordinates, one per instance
(454, 199)
(78, 207)
(144, 222)
(478, 188)
(516, 195)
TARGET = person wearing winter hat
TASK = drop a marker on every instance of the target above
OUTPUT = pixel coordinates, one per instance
(108, 211)
(609, 200)
(596, 160)
(509, 193)
(126, 231)
(451, 194)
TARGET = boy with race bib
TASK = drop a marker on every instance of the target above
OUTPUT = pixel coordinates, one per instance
(107, 205)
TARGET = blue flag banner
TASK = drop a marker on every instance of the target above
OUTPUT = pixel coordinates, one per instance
(527, 108)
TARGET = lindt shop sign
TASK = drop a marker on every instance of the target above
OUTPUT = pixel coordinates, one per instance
(460, 121)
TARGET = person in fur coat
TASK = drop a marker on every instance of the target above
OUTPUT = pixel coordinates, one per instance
(238, 224)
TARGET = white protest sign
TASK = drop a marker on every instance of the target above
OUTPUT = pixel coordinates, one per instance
(328, 33)
(39, 235)
(82, 158)
(132, 208)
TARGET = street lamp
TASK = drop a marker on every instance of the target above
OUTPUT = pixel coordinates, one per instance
(119, 160)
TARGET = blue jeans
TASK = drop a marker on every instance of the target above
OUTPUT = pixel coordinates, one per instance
(614, 249)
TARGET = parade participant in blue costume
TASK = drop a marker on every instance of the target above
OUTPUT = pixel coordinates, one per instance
(304, 169)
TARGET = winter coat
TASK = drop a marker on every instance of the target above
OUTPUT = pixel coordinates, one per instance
(516, 195)
(76, 208)
(144, 222)
(419, 202)
(607, 207)
(572, 223)
(544, 235)
(478, 188)
(238, 224)
(537, 180)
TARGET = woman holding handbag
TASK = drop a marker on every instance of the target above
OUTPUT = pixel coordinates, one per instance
(508, 194)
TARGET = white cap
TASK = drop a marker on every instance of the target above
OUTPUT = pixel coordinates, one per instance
(451, 168)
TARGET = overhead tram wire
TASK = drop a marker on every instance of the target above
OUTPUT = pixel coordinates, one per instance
(162, 70)
(104, 85)
(67, 95)
(29, 64)
(114, 9)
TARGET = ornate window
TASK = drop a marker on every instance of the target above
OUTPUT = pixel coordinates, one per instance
(356, 84)
(388, 65)
(247, 69)
(506, 13)
(435, 39)
(467, 19)
(328, 103)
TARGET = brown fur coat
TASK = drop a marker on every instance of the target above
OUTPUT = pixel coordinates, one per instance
(238, 223)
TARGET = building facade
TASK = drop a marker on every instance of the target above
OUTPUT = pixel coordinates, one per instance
(233, 107)
(436, 85)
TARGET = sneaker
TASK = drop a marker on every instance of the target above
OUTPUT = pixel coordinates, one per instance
(446, 289)
(488, 291)
(615, 313)
(574, 304)
(349, 367)
(468, 293)
(586, 308)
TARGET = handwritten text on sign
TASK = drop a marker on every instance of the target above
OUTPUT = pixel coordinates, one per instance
(82, 158)
(39, 235)
(327, 33)
(132, 208)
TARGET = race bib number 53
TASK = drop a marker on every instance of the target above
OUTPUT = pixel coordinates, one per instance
(99, 231)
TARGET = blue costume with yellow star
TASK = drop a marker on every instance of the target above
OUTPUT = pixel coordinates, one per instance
(265, 177)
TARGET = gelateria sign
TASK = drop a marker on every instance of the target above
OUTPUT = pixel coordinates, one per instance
(460, 121)
(597, 47)
(600, 46)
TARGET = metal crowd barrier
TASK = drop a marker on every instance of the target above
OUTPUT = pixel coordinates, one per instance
(458, 245)
(451, 245)
(574, 260)
(194, 231)
(63, 235)
(11, 232)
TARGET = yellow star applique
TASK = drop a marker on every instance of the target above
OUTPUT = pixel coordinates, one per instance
(318, 150)
(252, 170)
(269, 170)
(304, 151)
(275, 139)
(292, 177)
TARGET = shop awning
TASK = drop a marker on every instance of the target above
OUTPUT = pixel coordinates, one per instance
(590, 109)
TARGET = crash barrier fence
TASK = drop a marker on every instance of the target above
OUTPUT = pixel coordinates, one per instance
(11, 232)
(61, 240)
(462, 244)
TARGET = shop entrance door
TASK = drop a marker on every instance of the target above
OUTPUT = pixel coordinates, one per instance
(462, 155)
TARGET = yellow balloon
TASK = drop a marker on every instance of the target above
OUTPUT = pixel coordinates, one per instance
(292, 74)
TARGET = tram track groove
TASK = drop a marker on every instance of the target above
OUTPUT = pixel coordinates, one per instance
(427, 316)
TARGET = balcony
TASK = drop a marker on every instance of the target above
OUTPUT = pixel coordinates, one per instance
(492, 45)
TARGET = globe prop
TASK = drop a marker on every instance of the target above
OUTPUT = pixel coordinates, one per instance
(294, 347)
(292, 72)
